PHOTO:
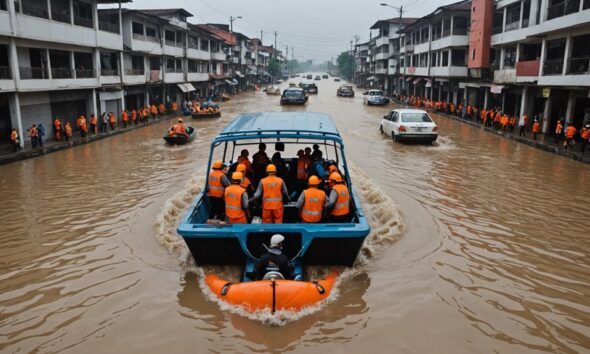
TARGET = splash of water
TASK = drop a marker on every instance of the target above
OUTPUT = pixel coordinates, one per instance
(382, 214)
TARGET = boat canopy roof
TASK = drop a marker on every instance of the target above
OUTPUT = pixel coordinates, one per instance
(298, 125)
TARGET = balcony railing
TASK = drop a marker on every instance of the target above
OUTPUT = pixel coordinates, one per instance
(27, 73)
(61, 16)
(85, 73)
(32, 10)
(579, 66)
(460, 31)
(108, 27)
(528, 68)
(139, 36)
(61, 73)
(525, 22)
(170, 43)
(5, 73)
(563, 8)
(512, 26)
(109, 72)
(83, 21)
(446, 32)
(134, 71)
(553, 67)
(150, 39)
(497, 29)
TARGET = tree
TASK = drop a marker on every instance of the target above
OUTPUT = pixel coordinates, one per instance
(274, 68)
(346, 65)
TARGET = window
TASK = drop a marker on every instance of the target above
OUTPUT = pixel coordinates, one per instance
(169, 36)
(497, 21)
(579, 63)
(178, 65)
(151, 32)
(170, 65)
(423, 58)
(512, 17)
(204, 45)
(458, 57)
(193, 42)
(37, 8)
(446, 28)
(526, 9)
(83, 14)
(436, 30)
(424, 35)
(137, 62)
(509, 57)
(460, 26)
(415, 118)
(214, 46)
(3, 5)
(179, 39)
(445, 58)
(433, 57)
(473, 54)
(60, 10)
(137, 28)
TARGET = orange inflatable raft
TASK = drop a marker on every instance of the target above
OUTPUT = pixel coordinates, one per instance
(273, 295)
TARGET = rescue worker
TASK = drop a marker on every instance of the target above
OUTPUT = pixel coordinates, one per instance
(217, 183)
(244, 160)
(522, 125)
(316, 152)
(57, 129)
(153, 111)
(536, 129)
(312, 202)
(174, 107)
(260, 160)
(558, 131)
(274, 259)
(82, 126)
(301, 174)
(68, 131)
(125, 118)
(246, 183)
(512, 123)
(112, 120)
(570, 132)
(339, 199)
(179, 128)
(33, 135)
(15, 139)
(316, 168)
(134, 116)
(585, 135)
(161, 110)
(93, 122)
(236, 201)
(272, 189)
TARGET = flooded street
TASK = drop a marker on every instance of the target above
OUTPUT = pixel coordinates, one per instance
(479, 245)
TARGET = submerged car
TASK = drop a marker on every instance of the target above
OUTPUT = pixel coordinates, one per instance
(409, 125)
(309, 88)
(345, 91)
(317, 77)
(325, 76)
(293, 95)
(337, 79)
(309, 76)
(375, 97)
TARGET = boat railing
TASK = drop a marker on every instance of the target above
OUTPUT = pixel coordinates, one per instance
(249, 134)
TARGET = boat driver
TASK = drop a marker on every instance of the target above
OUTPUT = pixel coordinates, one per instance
(274, 259)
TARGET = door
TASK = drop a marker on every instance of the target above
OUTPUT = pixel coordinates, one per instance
(113, 106)
(69, 110)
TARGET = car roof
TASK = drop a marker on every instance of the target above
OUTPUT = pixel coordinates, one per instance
(408, 110)
(293, 89)
(310, 125)
(375, 91)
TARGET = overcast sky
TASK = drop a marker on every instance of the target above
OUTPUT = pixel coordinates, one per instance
(317, 29)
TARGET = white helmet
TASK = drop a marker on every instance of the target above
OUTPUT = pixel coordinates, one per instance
(276, 239)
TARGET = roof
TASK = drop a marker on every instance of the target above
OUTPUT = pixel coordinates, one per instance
(223, 35)
(165, 12)
(405, 21)
(409, 110)
(464, 5)
(309, 125)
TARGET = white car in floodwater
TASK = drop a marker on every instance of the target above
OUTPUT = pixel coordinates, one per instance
(409, 125)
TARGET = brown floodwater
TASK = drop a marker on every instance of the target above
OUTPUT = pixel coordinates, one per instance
(478, 245)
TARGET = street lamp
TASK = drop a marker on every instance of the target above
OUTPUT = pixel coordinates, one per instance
(231, 23)
(399, 36)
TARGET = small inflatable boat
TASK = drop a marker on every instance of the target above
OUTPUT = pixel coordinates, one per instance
(207, 115)
(273, 295)
(179, 139)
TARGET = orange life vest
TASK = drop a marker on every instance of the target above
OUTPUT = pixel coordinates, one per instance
(302, 164)
(68, 129)
(57, 124)
(585, 133)
(33, 132)
(124, 116)
(215, 186)
(112, 118)
(133, 115)
(179, 128)
(559, 128)
(93, 119)
(244, 161)
(272, 193)
(13, 135)
(313, 205)
(245, 182)
(536, 127)
(570, 132)
(342, 202)
(233, 202)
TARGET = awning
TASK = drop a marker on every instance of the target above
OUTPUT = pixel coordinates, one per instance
(265, 73)
(428, 83)
(235, 81)
(230, 82)
(417, 80)
(252, 68)
(371, 78)
(496, 88)
(190, 87)
(182, 88)
(264, 54)
(239, 74)
(408, 78)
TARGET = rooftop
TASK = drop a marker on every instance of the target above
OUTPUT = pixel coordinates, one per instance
(309, 125)
(461, 6)
(405, 21)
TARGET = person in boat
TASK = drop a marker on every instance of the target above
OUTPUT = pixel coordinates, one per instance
(316, 168)
(272, 189)
(218, 181)
(244, 160)
(178, 128)
(312, 202)
(339, 199)
(279, 162)
(274, 260)
(260, 160)
(236, 201)
(246, 182)
(301, 170)
(316, 152)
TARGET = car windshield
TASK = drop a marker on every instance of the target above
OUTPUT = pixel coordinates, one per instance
(346, 88)
(292, 94)
(375, 93)
(416, 118)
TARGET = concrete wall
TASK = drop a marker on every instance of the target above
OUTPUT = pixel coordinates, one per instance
(482, 12)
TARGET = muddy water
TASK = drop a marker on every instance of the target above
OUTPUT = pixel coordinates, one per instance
(479, 245)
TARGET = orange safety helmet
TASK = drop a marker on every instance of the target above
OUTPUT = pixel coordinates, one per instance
(241, 168)
(336, 177)
(313, 181)
(333, 168)
(217, 164)
(237, 176)
(271, 168)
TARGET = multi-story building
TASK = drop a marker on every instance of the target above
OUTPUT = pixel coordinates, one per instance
(361, 63)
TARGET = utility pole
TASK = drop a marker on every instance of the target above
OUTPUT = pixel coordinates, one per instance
(287, 56)
(350, 60)
(275, 47)
(292, 59)
(261, 38)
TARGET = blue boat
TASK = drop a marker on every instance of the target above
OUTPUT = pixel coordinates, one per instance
(218, 243)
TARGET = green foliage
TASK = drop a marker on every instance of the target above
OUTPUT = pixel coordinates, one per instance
(274, 68)
(345, 65)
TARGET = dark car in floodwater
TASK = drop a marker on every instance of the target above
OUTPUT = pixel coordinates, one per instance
(293, 95)
(345, 91)
(309, 88)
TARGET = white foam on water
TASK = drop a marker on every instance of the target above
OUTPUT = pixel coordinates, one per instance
(382, 213)
(443, 143)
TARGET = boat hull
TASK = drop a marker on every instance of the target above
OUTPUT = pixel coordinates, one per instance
(180, 139)
(206, 115)
(273, 295)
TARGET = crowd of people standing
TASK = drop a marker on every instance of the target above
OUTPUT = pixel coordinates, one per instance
(502, 121)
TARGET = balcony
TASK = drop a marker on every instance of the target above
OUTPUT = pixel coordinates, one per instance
(108, 27)
(109, 72)
(563, 8)
(382, 41)
(193, 53)
(174, 77)
(446, 42)
(237, 48)
(579, 66)
(83, 21)
(528, 68)
(134, 76)
(5, 73)
(198, 77)
(512, 26)
(507, 76)
(28, 73)
(141, 43)
(381, 56)
(41, 29)
(553, 67)
(381, 71)
(84, 73)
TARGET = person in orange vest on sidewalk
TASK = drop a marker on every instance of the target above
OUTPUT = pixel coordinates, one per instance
(339, 200)
(570, 132)
(57, 129)
(15, 139)
(272, 189)
(504, 121)
(585, 135)
(558, 131)
(236, 201)
(174, 107)
(161, 110)
(125, 118)
(82, 126)
(68, 131)
(217, 182)
(33, 133)
(536, 129)
(153, 111)
(134, 116)
(112, 120)
(512, 123)
(93, 124)
(497, 120)
(312, 202)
